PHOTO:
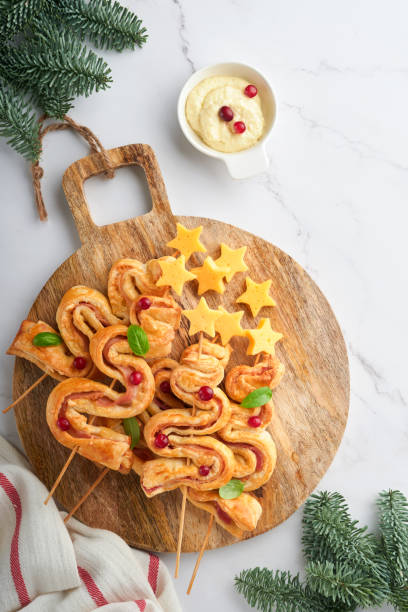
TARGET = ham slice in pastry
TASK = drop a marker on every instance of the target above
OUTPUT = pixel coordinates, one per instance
(56, 361)
(235, 515)
(160, 322)
(129, 279)
(80, 314)
(73, 399)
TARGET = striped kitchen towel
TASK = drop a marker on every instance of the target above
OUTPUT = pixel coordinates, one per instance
(46, 566)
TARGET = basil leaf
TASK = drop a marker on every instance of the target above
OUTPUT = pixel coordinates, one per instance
(131, 427)
(232, 489)
(256, 398)
(47, 339)
(138, 340)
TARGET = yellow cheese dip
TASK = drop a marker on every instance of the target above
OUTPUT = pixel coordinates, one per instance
(202, 107)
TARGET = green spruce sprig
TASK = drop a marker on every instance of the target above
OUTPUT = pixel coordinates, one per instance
(346, 568)
(45, 64)
(393, 509)
(108, 25)
(18, 122)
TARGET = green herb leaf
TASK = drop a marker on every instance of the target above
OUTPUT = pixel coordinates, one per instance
(232, 489)
(131, 427)
(138, 340)
(256, 398)
(47, 339)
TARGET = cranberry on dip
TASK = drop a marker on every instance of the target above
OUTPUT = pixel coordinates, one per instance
(226, 113)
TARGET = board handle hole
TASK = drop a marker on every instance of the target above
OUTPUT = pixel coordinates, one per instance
(123, 197)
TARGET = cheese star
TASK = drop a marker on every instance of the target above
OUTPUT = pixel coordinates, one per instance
(256, 295)
(174, 273)
(210, 277)
(202, 318)
(229, 324)
(262, 339)
(187, 241)
(233, 259)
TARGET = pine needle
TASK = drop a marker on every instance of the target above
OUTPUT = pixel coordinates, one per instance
(329, 534)
(107, 24)
(280, 591)
(341, 582)
(18, 122)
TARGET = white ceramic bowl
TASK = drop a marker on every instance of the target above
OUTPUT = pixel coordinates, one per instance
(244, 163)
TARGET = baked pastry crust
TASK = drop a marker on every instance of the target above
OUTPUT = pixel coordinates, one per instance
(160, 322)
(129, 279)
(82, 312)
(54, 360)
(234, 515)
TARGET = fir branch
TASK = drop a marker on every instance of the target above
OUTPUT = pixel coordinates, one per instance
(347, 584)
(280, 591)
(399, 597)
(329, 534)
(393, 506)
(107, 24)
(16, 14)
(58, 63)
(18, 122)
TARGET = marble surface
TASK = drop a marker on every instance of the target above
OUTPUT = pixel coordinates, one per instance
(334, 198)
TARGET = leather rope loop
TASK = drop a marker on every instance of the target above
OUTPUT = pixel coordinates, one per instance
(94, 144)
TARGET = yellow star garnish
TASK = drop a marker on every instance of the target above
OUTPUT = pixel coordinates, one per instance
(174, 273)
(262, 339)
(233, 259)
(187, 241)
(229, 324)
(256, 295)
(202, 318)
(210, 277)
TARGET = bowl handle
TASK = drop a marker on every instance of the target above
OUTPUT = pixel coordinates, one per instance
(247, 163)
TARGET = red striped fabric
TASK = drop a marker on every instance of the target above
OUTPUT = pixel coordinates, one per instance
(15, 567)
(153, 572)
(141, 603)
(92, 587)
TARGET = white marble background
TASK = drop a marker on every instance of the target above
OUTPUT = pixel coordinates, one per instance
(335, 198)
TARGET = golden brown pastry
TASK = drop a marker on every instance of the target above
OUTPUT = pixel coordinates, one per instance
(176, 434)
(160, 320)
(172, 471)
(80, 314)
(254, 451)
(69, 403)
(243, 379)
(128, 280)
(54, 360)
(253, 447)
(234, 515)
(73, 399)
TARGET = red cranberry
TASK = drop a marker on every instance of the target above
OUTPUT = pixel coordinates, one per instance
(161, 440)
(204, 470)
(254, 421)
(63, 423)
(135, 378)
(144, 303)
(250, 91)
(79, 363)
(165, 386)
(226, 113)
(239, 127)
(205, 393)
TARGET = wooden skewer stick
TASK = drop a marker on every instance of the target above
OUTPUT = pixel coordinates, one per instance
(184, 500)
(69, 460)
(209, 528)
(87, 494)
(26, 392)
(200, 556)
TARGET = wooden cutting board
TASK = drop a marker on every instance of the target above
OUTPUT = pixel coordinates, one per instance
(311, 401)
